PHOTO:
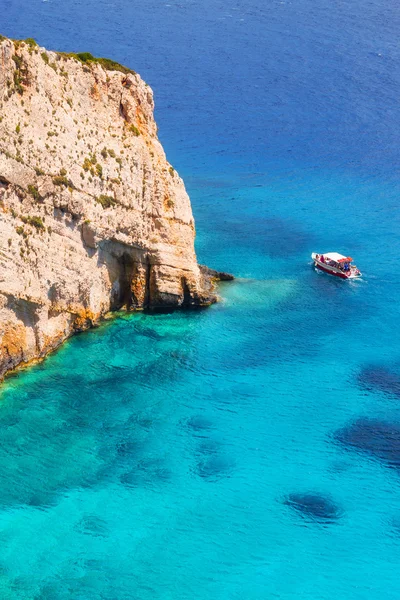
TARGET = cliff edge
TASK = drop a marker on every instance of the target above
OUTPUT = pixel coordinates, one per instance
(92, 216)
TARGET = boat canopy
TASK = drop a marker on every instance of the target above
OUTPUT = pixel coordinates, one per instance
(337, 257)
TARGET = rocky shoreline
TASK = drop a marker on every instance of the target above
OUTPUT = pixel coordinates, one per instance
(93, 218)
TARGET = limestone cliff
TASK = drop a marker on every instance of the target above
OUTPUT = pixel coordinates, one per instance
(92, 216)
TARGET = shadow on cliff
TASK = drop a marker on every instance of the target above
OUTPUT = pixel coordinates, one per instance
(24, 310)
(126, 266)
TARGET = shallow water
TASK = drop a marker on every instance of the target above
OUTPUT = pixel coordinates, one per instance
(250, 450)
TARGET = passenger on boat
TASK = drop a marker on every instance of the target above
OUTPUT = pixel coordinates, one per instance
(322, 258)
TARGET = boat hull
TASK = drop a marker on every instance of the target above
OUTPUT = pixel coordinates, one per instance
(333, 270)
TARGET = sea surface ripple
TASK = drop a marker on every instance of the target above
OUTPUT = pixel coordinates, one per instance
(252, 450)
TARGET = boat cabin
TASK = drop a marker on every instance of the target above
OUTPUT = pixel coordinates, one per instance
(334, 259)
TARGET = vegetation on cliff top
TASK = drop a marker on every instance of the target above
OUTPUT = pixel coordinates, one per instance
(88, 59)
(84, 57)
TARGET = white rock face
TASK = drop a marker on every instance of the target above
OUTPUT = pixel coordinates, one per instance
(92, 216)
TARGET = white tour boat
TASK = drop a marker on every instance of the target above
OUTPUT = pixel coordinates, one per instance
(336, 264)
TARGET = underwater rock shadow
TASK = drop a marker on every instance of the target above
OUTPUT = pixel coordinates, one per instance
(314, 507)
(209, 447)
(379, 439)
(214, 467)
(212, 462)
(376, 377)
(148, 471)
(164, 368)
(92, 525)
(148, 332)
(199, 425)
(393, 527)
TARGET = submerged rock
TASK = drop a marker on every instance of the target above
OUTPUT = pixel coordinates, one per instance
(147, 472)
(208, 446)
(393, 525)
(314, 506)
(215, 466)
(380, 378)
(92, 525)
(199, 423)
(379, 439)
(93, 217)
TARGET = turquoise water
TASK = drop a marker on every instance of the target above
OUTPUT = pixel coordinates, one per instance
(251, 450)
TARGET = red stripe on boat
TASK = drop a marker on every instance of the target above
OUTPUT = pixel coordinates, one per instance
(341, 275)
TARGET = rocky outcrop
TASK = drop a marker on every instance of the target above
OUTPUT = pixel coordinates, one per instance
(92, 216)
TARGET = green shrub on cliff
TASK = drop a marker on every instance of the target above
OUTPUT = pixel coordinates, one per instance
(31, 42)
(87, 164)
(17, 82)
(87, 58)
(105, 201)
(35, 221)
(18, 61)
(134, 130)
(34, 192)
(61, 180)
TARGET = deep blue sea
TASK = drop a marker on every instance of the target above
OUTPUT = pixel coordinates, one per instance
(250, 451)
